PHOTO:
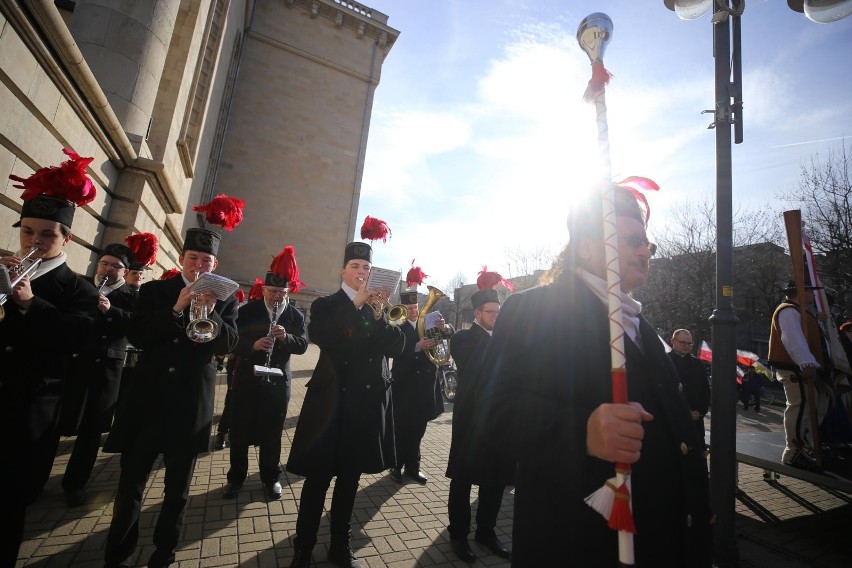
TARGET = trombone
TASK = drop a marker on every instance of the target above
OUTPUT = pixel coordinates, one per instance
(18, 272)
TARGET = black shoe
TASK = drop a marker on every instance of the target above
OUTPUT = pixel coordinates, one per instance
(462, 549)
(395, 474)
(219, 442)
(493, 544)
(75, 497)
(417, 476)
(342, 557)
(272, 490)
(231, 490)
(160, 559)
(301, 559)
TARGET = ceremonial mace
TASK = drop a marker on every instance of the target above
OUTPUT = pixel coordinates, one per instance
(613, 500)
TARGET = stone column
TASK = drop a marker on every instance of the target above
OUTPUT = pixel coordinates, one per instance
(125, 44)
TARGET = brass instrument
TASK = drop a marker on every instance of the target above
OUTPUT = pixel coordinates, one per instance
(18, 273)
(103, 283)
(266, 371)
(394, 314)
(200, 328)
(440, 353)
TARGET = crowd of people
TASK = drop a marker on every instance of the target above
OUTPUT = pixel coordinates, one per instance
(535, 407)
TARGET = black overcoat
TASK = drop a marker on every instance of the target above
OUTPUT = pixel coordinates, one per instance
(346, 423)
(259, 406)
(550, 364)
(94, 373)
(34, 348)
(417, 396)
(170, 399)
(478, 464)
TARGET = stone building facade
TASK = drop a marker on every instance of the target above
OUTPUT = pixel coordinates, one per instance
(181, 100)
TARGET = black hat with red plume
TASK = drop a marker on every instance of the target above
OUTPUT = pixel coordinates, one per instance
(144, 248)
(413, 279)
(284, 272)
(224, 211)
(487, 282)
(53, 193)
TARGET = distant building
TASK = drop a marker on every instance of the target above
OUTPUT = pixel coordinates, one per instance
(181, 100)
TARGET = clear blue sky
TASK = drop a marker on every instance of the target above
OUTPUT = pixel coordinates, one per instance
(480, 140)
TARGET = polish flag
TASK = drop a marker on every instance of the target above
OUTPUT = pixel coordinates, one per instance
(704, 353)
(740, 374)
(746, 358)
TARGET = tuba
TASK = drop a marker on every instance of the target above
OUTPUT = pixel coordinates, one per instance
(200, 328)
(440, 354)
(19, 272)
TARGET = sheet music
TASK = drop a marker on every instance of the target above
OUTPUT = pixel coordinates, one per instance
(430, 320)
(220, 286)
(383, 279)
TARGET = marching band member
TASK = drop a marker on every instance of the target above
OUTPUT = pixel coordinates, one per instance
(95, 372)
(345, 427)
(417, 397)
(270, 332)
(50, 300)
(170, 412)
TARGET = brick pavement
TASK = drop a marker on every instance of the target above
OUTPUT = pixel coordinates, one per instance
(783, 524)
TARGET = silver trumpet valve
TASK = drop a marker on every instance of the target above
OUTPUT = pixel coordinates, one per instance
(11, 277)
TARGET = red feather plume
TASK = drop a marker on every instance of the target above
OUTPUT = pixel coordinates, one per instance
(374, 229)
(488, 279)
(284, 266)
(170, 273)
(415, 276)
(256, 291)
(240, 296)
(637, 184)
(144, 247)
(224, 211)
(67, 181)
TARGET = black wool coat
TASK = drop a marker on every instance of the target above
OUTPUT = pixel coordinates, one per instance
(170, 399)
(94, 373)
(479, 464)
(550, 363)
(417, 396)
(34, 348)
(346, 423)
(259, 406)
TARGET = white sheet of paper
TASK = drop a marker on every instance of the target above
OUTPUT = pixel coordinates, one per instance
(220, 286)
(383, 279)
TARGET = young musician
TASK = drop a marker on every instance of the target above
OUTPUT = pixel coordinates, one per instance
(95, 372)
(270, 332)
(170, 400)
(47, 316)
(345, 427)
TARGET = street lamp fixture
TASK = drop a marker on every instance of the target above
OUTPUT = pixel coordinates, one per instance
(728, 114)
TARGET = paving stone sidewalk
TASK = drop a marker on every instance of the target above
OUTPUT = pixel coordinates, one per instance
(783, 524)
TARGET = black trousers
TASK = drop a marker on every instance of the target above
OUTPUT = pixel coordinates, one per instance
(136, 465)
(269, 461)
(408, 438)
(311, 504)
(458, 507)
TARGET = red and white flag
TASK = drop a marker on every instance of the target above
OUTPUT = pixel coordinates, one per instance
(746, 358)
(705, 354)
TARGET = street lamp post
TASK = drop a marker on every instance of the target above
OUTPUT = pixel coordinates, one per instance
(728, 112)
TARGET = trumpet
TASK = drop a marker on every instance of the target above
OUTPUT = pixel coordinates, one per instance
(394, 314)
(18, 273)
(200, 328)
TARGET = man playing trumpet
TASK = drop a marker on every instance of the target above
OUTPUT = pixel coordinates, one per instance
(47, 316)
(270, 332)
(169, 406)
(345, 427)
(95, 372)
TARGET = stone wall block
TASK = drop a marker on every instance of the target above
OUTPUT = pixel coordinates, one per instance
(16, 61)
(116, 73)
(89, 24)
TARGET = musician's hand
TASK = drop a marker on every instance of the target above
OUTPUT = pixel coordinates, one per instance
(810, 374)
(362, 295)
(278, 332)
(22, 294)
(10, 261)
(263, 344)
(183, 299)
(208, 299)
(103, 304)
(614, 432)
(427, 343)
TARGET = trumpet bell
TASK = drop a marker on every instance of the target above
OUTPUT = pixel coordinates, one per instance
(202, 330)
(397, 315)
(594, 34)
